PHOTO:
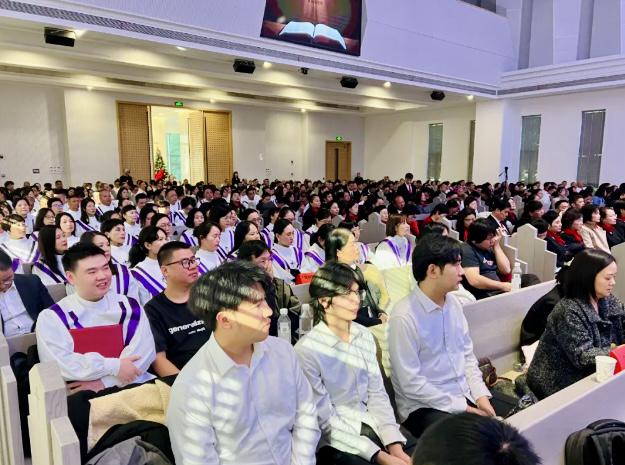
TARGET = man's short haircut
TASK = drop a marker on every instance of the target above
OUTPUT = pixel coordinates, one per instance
(480, 229)
(252, 249)
(587, 212)
(541, 225)
(437, 250)
(187, 202)
(79, 252)
(140, 196)
(580, 281)
(500, 203)
(5, 261)
(126, 209)
(560, 202)
(225, 288)
(108, 225)
(167, 251)
(476, 440)
(434, 228)
(409, 176)
(569, 217)
(393, 222)
(550, 216)
(439, 209)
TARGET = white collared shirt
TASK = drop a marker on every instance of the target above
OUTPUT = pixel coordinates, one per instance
(432, 359)
(348, 389)
(222, 413)
(15, 317)
(55, 343)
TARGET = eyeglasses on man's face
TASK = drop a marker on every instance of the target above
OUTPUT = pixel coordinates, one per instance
(186, 263)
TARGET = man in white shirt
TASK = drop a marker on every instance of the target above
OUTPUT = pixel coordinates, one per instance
(22, 298)
(58, 327)
(243, 398)
(73, 206)
(434, 371)
(106, 202)
(251, 198)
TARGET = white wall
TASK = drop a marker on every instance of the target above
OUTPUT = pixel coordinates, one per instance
(32, 133)
(397, 143)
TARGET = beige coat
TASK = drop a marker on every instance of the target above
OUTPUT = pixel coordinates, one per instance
(595, 238)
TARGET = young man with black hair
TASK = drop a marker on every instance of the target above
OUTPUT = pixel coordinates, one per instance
(407, 190)
(241, 383)
(484, 260)
(499, 215)
(484, 441)
(434, 370)
(92, 306)
(73, 205)
(178, 334)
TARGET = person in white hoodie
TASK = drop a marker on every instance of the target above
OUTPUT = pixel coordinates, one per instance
(144, 263)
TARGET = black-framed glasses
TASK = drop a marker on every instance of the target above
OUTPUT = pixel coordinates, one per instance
(186, 263)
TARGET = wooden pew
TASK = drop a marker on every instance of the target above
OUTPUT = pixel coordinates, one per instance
(57, 291)
(52, 437)
(11, 450)
(495, 324)
(548, 423)
(373, 230)
(533, 251)
(452, 228)
(619, 254)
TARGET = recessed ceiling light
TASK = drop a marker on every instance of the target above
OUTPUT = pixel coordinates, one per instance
(267, 65)
(89, 88)
(79, 33)
(470, 98)
(387, 84)
(303, 110)
(182, 49)
(212, 100)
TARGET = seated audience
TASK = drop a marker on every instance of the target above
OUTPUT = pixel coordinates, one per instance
(308, 219)
(105, 202)
(571, 228)
(466, 439)
(593, 235)
(465, 219)
(17, 246)
(434, 371)
(92, 306)
(66, 223)
(323, 217)
(244, 231)
(555, 243)
(45, 217)
(614, 234)
(532, 210)
(194, 219)
(87, 220)
(279, 294)
(178, 334)
(52, 245)
(484, 261)
(584, 324)
(439, 212)
(499, 216)
(395, 249)
(211, 256)
(315, 256)
(364, 252)
(277, 417)
(561, 206)
(144, 263)
(339, 360)
(132, 225)
(114, 230)
(221, 217)
(162, 221)
(179, 217)
(22, 298)
(287, 259)
(299, 241)
(21, 207)
(341, 246)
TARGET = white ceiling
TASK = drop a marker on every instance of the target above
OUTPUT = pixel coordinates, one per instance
(112, 63)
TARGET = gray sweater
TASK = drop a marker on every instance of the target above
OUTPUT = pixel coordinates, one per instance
(574, 335)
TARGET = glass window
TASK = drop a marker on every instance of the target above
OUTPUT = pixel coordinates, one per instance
(591, 147)
(530, 141)
(435, 151)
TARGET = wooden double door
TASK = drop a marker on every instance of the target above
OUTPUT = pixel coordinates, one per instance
(338, 160)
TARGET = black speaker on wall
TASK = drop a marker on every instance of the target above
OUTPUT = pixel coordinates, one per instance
(349, 82)
(437, 95)
(55, 36)
(244, 66)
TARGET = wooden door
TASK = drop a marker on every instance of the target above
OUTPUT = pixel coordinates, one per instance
(197, 147)
(218, 127)
(134, 139)
(338, 160)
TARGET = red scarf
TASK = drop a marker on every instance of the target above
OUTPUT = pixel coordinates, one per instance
(574, 234)
(609, 228)
(466, 235)
(556, 237)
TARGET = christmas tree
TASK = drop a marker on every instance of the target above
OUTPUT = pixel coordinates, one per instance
(159, 166)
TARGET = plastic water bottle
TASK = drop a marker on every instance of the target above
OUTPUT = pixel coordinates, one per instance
(284, 325)
(305, 320)
(516, 277)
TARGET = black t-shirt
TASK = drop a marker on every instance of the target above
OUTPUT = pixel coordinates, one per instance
(472, 257)
(176, 331)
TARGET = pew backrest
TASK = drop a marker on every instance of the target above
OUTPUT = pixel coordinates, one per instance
(619, 288)
(57, 291)
(373, 230)
(533, 251)
(548, 423)
(301, 292)
(495, 324)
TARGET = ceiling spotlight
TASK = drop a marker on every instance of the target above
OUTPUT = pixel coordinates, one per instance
(387, 84)
(470, 98)
(304, 71)
(182, 49)
(55, 36)
(212, 100)
(303, 110)
(89, 88)
(244, 66)
(79, 33)
(267, 65)
(349, 82)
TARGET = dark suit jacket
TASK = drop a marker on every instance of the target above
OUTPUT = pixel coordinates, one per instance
(33, 293)
(403, 191)
(491, 219)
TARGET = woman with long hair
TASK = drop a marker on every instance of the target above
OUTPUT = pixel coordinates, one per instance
(88, 220)
(364, 252)
(144, 263)
(221, 216)
(465, 218)
(592, 233)
(339, 360)
(315, 256)
(45, 217)
(208, 235)
(162, 221)
(66, 223)
(614, 234)
(194, 219)
(395, 250)
(245, 231)
(52, 244)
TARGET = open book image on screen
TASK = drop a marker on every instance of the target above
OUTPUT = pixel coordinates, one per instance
(320, 34)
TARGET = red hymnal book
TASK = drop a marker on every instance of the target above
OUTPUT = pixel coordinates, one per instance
(107, 341)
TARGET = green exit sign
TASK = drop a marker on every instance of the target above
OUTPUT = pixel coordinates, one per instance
(339, 138)
(178, 103)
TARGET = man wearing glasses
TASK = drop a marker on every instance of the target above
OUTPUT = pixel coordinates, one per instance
(178, 335)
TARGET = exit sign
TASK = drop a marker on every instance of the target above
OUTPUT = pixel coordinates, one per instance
(339, 138)
(178, 103)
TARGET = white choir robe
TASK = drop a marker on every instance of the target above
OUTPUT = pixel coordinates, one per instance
(226, 241)
(47, 275)
(284, 260)
(188, 238)
(179, 218)
(55, 343)
(120, 253)
(101, 209)
(82, 227)
(209, 260)
(267, 235)
(309, 232)
(30, 223)
(23, 249)
(132, 233)
(150, 279)
(71, 240)
(314, 258)
(365, 253)
(75, 214)
(387, 256)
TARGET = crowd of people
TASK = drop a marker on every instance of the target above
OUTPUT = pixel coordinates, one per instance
(188, 281)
